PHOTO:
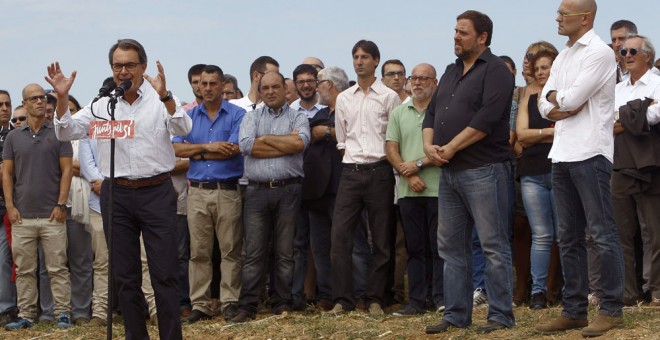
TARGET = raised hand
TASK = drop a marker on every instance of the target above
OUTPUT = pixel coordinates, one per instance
(158, 82)
(60, 83)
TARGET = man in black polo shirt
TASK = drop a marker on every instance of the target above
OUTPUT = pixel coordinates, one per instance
(466, 133)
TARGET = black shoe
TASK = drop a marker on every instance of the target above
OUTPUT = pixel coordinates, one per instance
(230, 312)
(8, 317)
(299, 304)
(489, 327)
(279, 310)
(538, 301)
(242, 316)
(439, 328)
(195, 316)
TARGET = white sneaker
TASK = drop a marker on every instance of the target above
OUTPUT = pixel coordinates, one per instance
(479, 298)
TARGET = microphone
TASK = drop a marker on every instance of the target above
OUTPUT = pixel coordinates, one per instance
(105, 90)
(121, 89)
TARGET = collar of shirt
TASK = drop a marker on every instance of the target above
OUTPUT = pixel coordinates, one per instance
(46, 124)
(484, 57)
(279, 112)
(585, 39)
(377, 87)
(203, 110)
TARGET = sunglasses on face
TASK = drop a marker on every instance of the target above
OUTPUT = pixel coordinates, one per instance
(633, 51)
(16, 119)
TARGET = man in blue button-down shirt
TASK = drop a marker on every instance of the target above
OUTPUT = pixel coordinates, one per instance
(272, 138)
(214, 202)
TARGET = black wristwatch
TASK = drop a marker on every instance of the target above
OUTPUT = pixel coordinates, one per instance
(61, 206)
(166, 98)
(547, 95)
(201, 155)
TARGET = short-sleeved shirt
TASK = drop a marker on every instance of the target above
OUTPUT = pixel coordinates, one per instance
(223, 128)
(37, 169)
(264, 121)
(3, 134)
(405, 128)
(480, 99)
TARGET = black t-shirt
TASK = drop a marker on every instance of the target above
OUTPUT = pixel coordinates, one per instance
(3, 134)
(480, 99)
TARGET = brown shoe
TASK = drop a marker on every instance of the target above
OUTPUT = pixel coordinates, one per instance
(96, 322)
(185, 312)
(324, 305)
(561, 324)
(375, 309)
(602, 324)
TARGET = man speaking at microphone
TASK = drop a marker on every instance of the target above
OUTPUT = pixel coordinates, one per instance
(144, 198)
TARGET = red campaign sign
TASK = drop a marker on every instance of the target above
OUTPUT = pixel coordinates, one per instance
(112, 129)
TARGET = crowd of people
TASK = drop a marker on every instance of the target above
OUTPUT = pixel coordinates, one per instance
(316, 192)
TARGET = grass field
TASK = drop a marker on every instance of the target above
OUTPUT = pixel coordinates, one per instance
(640, 323)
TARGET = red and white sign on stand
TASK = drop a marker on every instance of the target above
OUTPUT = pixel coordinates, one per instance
(112, 129)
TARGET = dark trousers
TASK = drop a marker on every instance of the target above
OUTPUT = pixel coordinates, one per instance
(373, 190)
(149, 211)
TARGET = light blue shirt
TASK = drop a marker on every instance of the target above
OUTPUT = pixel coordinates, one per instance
(88, 155)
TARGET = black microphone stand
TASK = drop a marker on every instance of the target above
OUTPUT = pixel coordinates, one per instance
(108, 330)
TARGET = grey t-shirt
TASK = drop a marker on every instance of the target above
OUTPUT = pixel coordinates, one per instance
(37, 170)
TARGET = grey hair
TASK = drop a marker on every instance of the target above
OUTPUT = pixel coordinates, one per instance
(336, 75)
(647, 47)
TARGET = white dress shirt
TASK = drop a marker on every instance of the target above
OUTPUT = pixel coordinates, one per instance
(361, 122)
(150, 152)
(646, 86)
(582, 73)
(246, 103)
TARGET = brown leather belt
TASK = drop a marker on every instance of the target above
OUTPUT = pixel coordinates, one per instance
(275, 184)
(230, 184)
(143, 182)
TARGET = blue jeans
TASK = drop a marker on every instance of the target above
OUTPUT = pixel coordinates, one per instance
(476, 197)
(7, 287)
(582, 193)
(361, 256)
(541, 213)
(269, 213)
(478, 262)
(419, 216)
(320, 224)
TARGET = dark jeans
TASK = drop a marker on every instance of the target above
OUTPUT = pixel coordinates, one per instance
(269, 213)
(300, 246)
(419, 216)
(582, 193)
(149, 211)
(373, 190)
(476, 198)
(320, 224)
(183, 237)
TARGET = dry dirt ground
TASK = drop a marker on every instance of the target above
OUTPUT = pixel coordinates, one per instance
(640, 323)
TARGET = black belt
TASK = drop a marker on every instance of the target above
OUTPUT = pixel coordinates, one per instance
(365, 166)
(275, 184)
(230, 184)
(143, 182)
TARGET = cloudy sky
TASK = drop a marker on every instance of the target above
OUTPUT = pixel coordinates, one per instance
(231, 34)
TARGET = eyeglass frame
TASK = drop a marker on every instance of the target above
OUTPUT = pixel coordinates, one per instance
(633, 51)
(422, 79)
(130, 67)
(567, 15)
(34, 99)
(13, 120)
(401, 74)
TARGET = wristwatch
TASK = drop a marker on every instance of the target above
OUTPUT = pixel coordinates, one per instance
(419, 163)
(61, 206)
(167, 97)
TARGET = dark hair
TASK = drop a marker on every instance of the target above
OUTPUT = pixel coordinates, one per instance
(627, 24)
(508, 60)
(129, 44)
(195, 70)
(5, 92)
(367, 46)
(542, 54)
(260, 63)
(305, 68)
(75, 102)
(278, 73)
(481, 22)
(228, 78)
(50, 98)
(391, 61)
(214, 69)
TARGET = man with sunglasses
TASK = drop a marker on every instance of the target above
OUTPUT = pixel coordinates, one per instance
(19, 117)
(636, 182)
(36, 175)
(8, 311)
(579, 96)
(144, 196)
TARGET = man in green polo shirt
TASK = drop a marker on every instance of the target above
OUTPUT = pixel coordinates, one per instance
(418, 192)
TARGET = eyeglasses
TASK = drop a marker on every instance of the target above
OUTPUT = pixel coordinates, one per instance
(129, 66)
(423, 79)
(321, 82)
(566, 15)
(7, 104)
(34, 99)
(633, 51)
(393, 74)
(18, 119)
(308, 81)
